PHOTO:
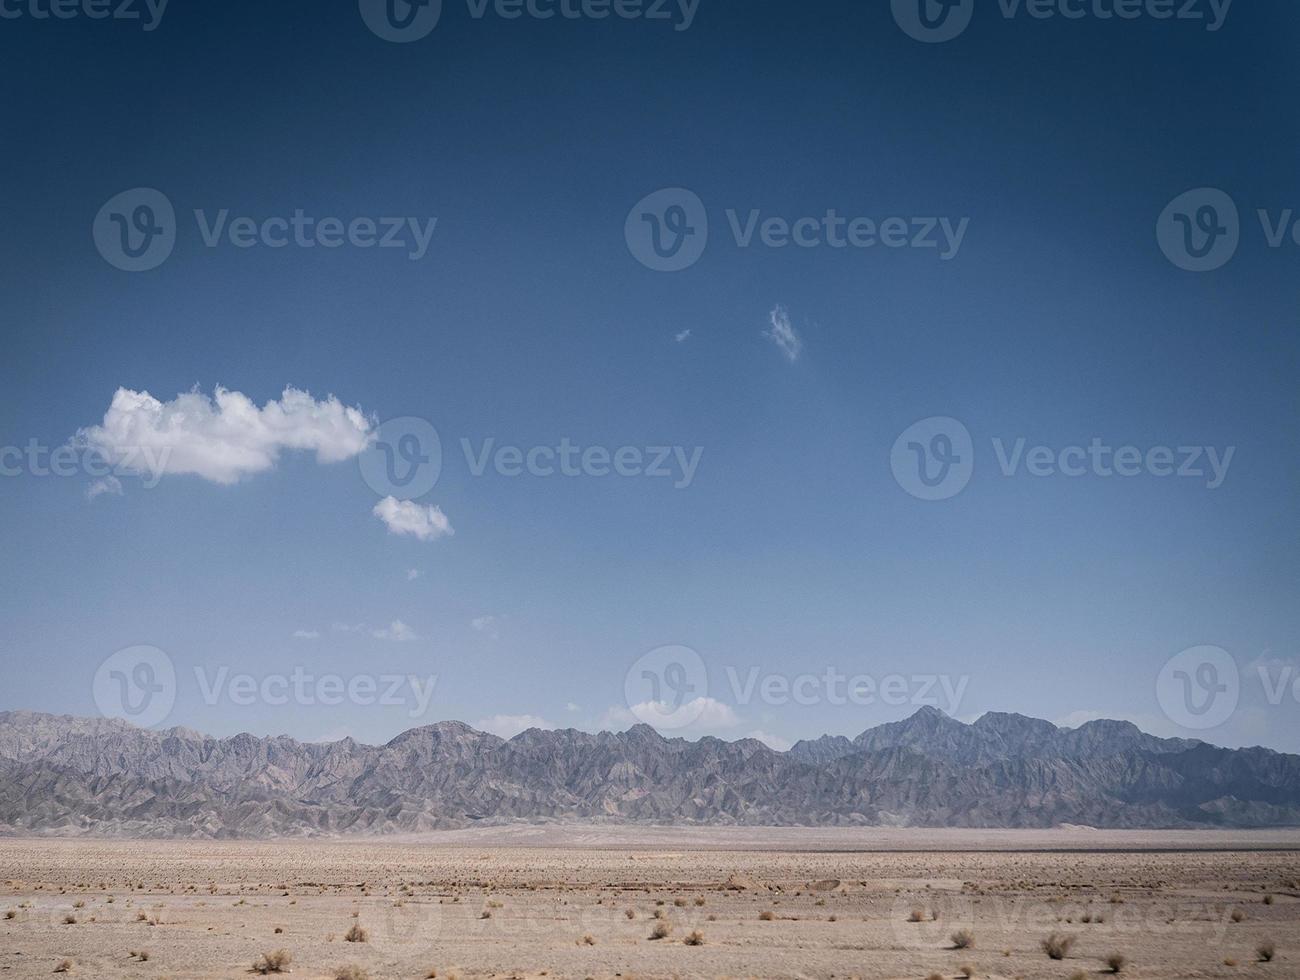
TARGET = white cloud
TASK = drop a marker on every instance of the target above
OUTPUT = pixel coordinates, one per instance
(426, 522)
(397, 631)
(571, 707)
(696, 717)
(508, 726)
(108, 484)
(306, 634)
(684, 336)
(223, 438)
(412, 574)
(774, 742)
(783, 334)
(487, 625)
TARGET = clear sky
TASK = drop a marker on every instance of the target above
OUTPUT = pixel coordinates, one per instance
(531, 314)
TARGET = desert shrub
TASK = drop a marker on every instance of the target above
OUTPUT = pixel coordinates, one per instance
(679, 902)
(966, 971)
(65, 966)
(277, 962)
(1116, 962)
(69, 920)
(766, 915)
(357, 934)
(962, 939)
(1057, 947)
(630, 913)
(661, 930)
(699, 901)
(696, 938)
(1268, 899)
(1238, 915)
(351, 972)
(1266, 951)
(587, 940)
(11, 913)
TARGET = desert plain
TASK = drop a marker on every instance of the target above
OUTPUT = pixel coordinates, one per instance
(626, 902)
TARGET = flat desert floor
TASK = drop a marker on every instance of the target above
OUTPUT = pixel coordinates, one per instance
(588, 902)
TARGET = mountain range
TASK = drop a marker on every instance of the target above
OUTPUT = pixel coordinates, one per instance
(61, 775)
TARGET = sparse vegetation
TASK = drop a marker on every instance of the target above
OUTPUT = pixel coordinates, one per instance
(276, 962)
(962, 939)
(1238, 915)
(587, 940)
(1057, 946)
(661, 930)
(696, 938)
(351, 972)
(1266, 951)
(65, 966)
(1116, 962)
(357, 934)
(966, 971)
(767, 915)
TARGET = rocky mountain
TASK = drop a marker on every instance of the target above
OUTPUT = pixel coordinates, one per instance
(62, 775)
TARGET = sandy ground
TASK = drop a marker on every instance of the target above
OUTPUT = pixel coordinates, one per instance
(531, 902)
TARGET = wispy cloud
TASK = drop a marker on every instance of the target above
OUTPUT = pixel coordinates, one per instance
(108, 484)
(223, 438)
(683, 336)
(783, 334)
(699, 716)
(487, 625)
(406, 517)
(306, 634)
(397, 631)
(508, 726)
(412, 574)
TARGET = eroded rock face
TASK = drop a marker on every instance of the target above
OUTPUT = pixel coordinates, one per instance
(91, 776)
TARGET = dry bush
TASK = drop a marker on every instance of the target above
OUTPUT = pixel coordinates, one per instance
(679, 902)
(277, 962)
(661, 930)
(1268, 899)
(65, 966)
(351, 972)
(1116, 962)
(69, 920)
(699, 901)
(963, 939)
(696, 938)
(587, 940)
(1079, 975)
(357, 934)
(11, 914)
(966, 971)
(1057, 947)
(766, 915)
(1238, 915)
(916, 915)
(1266, 951)
(630, 913)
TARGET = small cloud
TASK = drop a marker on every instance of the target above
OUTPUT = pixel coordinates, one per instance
(774, 742)
(412, 574)
(428, 523)
(571, 707)
(397, 631)
(783, 334)
(683, 336)
(109, 484)
(222, 438)
(695, 717)
(508, 726)
(487, 625)
(306, 634)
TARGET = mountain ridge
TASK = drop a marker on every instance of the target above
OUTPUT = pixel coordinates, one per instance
(60, 774)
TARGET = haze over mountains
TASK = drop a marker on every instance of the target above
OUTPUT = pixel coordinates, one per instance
(64, 775)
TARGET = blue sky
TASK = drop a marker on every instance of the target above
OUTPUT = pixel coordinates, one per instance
(528, 320)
